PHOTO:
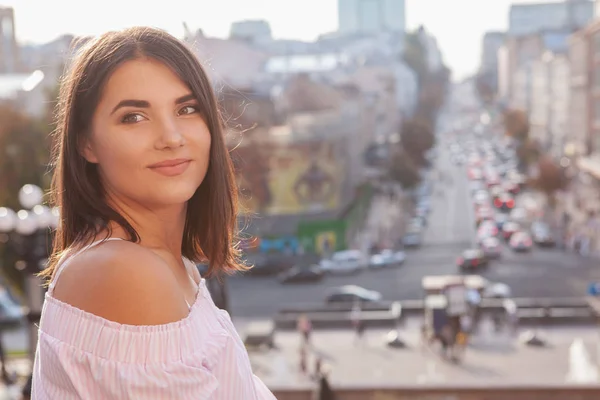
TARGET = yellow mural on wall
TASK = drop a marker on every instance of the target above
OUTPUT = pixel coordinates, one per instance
(291, 179)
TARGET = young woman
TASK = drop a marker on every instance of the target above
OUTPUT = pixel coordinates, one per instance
(145, 188)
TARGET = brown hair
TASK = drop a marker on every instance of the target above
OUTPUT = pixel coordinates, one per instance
(210, 228)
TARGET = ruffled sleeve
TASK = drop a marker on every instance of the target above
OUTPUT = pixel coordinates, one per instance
(82, 356)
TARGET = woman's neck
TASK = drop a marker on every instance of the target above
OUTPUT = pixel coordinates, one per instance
(158, 229)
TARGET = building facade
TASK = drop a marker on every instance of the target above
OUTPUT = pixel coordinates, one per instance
(371, 16)
(528, 18)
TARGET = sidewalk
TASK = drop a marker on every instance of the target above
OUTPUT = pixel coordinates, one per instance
(490, 359)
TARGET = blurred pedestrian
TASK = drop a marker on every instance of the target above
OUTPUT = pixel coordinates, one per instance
(305, 328)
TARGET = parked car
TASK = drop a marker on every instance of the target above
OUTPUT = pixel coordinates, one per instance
(344, 262)
(521, 241)
(302, 274)
(387, 258)
(472, 259)
(352, 294)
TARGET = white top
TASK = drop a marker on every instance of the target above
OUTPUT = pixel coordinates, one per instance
(83, 356)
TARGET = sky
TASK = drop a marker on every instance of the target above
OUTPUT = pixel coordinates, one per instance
(457, 24)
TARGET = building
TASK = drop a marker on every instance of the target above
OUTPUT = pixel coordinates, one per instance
(251, 31)
(491, 44)
(504, 78)
(523, 52)
(550, 109)
(371, 16)
(531, 25)
(550, 91)
(580, 205)
(9, 49)
(529, 18)
(488, 69)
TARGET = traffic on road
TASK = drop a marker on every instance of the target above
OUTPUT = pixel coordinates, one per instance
(473, 213)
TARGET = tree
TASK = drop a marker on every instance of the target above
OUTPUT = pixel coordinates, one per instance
(403, 170)
(415, 55)
(516, 124)
(550, 178)
(417, 137)
(24, 156)
(26, 151)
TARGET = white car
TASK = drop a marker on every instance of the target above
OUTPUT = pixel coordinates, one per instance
(347, 261)
(387, 258)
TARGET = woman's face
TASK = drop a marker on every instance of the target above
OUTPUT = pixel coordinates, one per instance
(148, 137)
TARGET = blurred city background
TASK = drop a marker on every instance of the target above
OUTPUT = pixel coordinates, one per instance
(419, 179)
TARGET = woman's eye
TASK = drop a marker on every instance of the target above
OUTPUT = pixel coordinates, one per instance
(131, 118)
(188, 110)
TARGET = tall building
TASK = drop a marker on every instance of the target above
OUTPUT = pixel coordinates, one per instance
(9, 50)
(371, 16)
(492, 41)
(251, 31)
(529, 18)
(491, 44)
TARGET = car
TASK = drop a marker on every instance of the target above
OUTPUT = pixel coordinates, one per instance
(509, 228)
(344, 262)
(387, 258)
(475, 174)
(302, 274)
(412, 239)
(504, 202)
(481, 197)
(500, 220)
(487, 229)
(496, 192)
(472, 259)
(511, 187)
(352, 294)
(497, 290)
(491, 247)
(518, 215)
(482, 214)
(520, 241)
(542, 234)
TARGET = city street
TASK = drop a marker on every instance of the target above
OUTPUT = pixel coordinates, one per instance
(541, 273)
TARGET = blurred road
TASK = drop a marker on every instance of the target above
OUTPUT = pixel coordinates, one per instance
(541, 273)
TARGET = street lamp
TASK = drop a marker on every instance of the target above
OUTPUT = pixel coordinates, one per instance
(28, 233)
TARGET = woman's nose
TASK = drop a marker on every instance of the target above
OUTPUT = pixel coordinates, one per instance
(170, 135)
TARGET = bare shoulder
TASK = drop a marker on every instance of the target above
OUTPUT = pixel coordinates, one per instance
(122, 282)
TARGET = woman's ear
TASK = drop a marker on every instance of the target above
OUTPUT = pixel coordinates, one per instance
(87, 151)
